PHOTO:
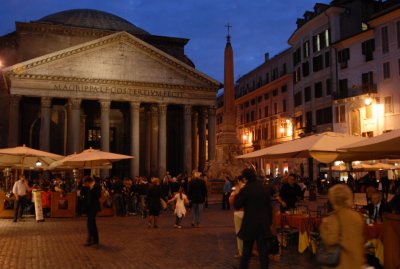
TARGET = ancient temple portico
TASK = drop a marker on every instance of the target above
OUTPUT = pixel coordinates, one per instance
(120, 93)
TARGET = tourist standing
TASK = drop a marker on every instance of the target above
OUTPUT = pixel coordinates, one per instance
(226, 192)
(180, 210)
(255, 199)
(91, 192)
(197, 197)
(20, 190)
(289, 194)
(237, 216)
(345, 227)
(154, 202)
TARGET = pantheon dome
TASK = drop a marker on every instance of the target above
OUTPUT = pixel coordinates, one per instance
(94, 19)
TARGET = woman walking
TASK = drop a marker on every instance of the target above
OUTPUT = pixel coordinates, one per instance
(154, 202)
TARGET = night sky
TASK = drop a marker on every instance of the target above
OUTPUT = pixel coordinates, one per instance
(259, 26)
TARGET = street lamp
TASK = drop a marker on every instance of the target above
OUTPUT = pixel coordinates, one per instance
(368, 101)
(38, 163)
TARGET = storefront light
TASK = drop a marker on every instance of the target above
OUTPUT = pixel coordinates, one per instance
(368, 101)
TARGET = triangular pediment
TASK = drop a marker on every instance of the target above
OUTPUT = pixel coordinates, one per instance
(117, 57)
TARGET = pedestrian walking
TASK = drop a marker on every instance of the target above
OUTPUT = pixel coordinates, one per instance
(154, 202)
(344, 227)
(255, 199)
(20, 190)
(180, 210)
(91, 192)
(197, 197)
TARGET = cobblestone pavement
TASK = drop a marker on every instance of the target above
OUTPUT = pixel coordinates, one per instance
(126, 242)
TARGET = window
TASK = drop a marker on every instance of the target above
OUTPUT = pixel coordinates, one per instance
(253, 101)
(321, 41)
(340, 113)
(284, 105)
(328, 87)
(318, 89)
(385, 39)
(307, 94)
(266, 78)
(343, 88)
(306, 49)
(368, 48)
(266, 113)
(309, 121)
(259, 99)
(265, 133)
(246, 105)
(275, 92)
(386, 70)
(275, 73)
(306, 68)
(266, 96)
(318, 63)
(327, 59)
(324, 116)
(297, 99)
(247, 117)
(367, 79)
(284, 89)
(241, 119)
(343, 57)
(259, 113)
(275, 108)
(398, 34)
(299, 122)
(296, 75)
(388, 105)
(284, 70)
(252, 115)
(296, 57)
(241, 106)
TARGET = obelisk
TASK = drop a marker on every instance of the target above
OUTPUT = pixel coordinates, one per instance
(228, 145)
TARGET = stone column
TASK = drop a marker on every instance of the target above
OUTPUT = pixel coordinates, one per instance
(74, 125)
(211, 133)
(45, 118)
(154, 141)
(148, 143)
(195, 152)
(162, 140)
(187, 137)
(105, 130)
(202, 140)
(135, 135)
(13, 121)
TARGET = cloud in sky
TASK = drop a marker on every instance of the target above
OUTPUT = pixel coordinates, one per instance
(259, 26)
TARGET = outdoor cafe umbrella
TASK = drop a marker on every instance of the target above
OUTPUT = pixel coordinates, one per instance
(322, 147)
(26, 157)
(382, 146)
(90, 158)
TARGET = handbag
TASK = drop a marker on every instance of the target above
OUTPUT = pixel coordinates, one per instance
(330, 256)
(163, 204)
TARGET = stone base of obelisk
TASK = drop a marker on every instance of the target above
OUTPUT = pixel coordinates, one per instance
(225, 164)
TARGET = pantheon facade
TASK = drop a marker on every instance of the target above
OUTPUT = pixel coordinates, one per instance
(86, 78)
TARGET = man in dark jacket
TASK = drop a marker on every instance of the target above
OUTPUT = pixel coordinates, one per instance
(197, 196)
(255, 199)
(91, 193)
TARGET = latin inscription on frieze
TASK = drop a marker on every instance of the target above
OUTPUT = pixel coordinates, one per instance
(111, 90)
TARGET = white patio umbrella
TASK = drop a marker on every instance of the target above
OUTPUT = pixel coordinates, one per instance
(322, 147)
(383, 146)
(26, 157)
(90, 158)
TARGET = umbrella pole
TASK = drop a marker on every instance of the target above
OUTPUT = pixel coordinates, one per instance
(330, 172)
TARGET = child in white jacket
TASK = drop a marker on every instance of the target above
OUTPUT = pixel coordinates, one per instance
(180, 210)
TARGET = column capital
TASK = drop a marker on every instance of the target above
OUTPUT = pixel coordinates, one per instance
(187, 109)
(135, 106)
(154, 109)
(45, 102)
(105, 105)
(75, 103)
(15, 99)
(162, 108)
(211, 110)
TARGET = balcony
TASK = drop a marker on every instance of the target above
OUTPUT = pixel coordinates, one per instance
(356, 90)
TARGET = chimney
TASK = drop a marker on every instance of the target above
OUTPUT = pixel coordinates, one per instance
(266, 56)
